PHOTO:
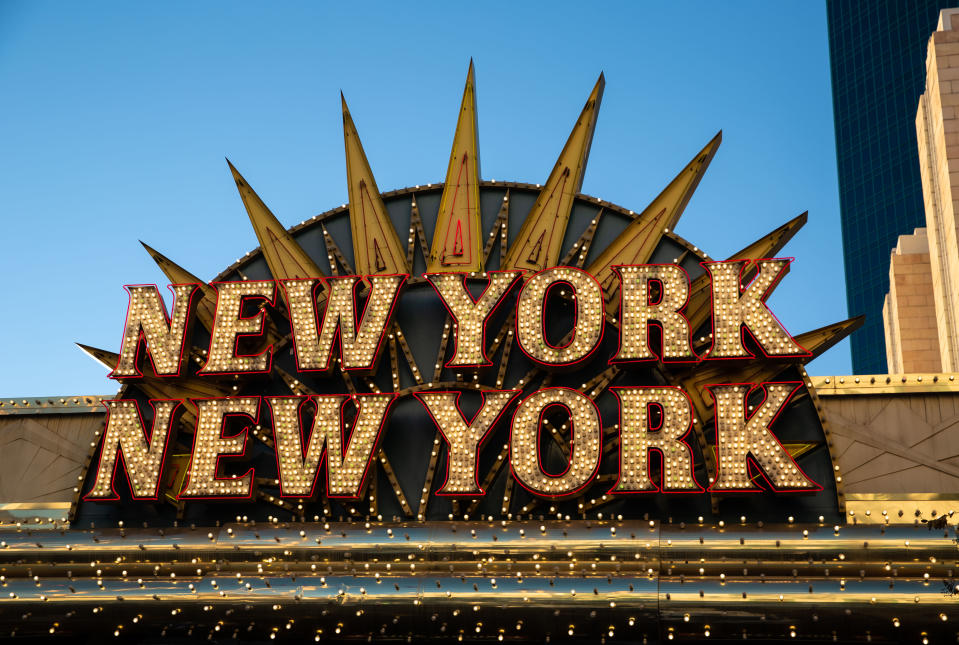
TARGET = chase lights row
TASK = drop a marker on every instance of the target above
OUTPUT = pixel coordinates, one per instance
(650, 418)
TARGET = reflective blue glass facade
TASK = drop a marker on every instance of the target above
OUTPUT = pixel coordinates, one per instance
(877, 60)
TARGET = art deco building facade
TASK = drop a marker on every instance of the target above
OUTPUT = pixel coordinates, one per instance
(921, 310)
(877, 76)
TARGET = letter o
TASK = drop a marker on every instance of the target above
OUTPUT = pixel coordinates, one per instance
(588, 318)
(585, 441)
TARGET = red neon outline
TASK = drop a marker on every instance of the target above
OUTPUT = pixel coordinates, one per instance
(602, 329)
(216, 463)
(539, 453)
(324, 457)
(694, 358)
(456, 334)
(743, 328)
(141, 337)
(261, 315)
(119, 454)
(658, 488)
(357, 323)
(750, 460)
(479, 444)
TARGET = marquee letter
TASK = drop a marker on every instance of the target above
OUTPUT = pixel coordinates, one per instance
(739, 437)
(585, 435)
(636, 312)
(359, 347)
(147, 322)
(209, 445)
(463, 437)
(588, 316)
(125, 438)
(637, 439)
(471, 315)
(229, 326)
(345, 472)
(733, 308)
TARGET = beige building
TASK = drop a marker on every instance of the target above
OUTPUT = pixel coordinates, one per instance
(922, 332)
(909, 312)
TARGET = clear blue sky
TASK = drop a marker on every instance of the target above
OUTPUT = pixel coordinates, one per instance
(115, 119)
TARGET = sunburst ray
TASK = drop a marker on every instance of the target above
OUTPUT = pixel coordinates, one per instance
(540, 240)
(205, 304)
(285, 258)
(635, 245)
(699, 306)
(376, 247)
(457, 238)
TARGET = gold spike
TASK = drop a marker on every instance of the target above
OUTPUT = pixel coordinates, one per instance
(500, 230)
(107, 358)
(407, 354)
(507, 495)
(285, 258)
(798, 449)
(430, 475)
(394, 365)
(580, 249)
(540, 240)
(394, 482)
(441, 354)
(636, 244)
(819, 340)
(699, 308)
(376, 247)
(206, 304)
(417, 234)
(175, 468)
(457, 241)
(337, 260)
(770, 244)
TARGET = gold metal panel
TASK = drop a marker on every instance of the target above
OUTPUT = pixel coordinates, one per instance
(636, 244)
(885, 384)
(457, 239)
(539, 243)
(54, 404)
(376, 247)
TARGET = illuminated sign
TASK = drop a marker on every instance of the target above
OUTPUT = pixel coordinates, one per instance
(349, 335)
(556, 368)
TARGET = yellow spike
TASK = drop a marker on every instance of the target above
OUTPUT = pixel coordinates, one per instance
(285, 258)
(161, 388)
(819, 340)
(457, 240)
(636, 244)
(816, 342)
(773, 242)
(540, 241)
(106, 358)
(206, 305)
(698, 310)
(376, 247)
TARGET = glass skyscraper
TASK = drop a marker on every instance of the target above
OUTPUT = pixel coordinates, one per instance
(877, 60)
